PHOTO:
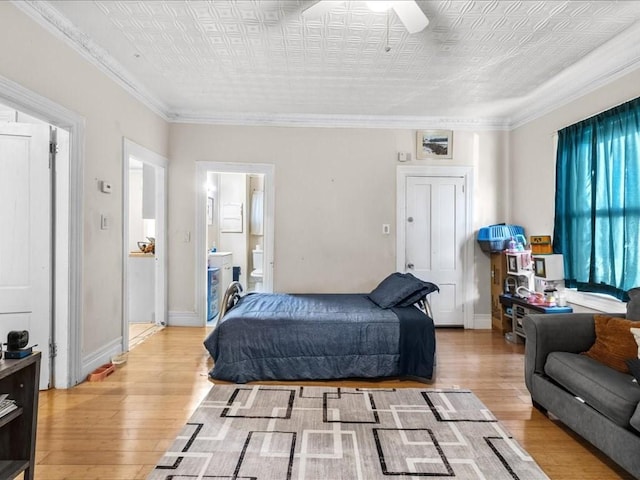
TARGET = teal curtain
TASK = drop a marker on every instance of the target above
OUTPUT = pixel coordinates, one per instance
(597, 213)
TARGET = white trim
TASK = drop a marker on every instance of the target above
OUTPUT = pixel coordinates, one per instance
(200, 260)
(482, 321)
(404, 171)
(609, 62)
(131, 150)
(68, 256)
(618, 57)
(595, 301)
(61, 27)
(100, 356)
(185, 319)
(340, 121)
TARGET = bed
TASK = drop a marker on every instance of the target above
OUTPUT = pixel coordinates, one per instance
(271, 336)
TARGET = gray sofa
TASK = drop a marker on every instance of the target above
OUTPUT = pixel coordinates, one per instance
(597, 402)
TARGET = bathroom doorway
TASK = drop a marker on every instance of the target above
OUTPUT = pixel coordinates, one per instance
(235, 225)
(235, 232)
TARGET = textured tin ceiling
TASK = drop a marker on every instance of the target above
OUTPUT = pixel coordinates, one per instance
(211, 60)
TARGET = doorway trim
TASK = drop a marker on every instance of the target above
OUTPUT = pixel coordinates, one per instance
(405, 171)
(67, 255)
(268, 170)
(133, 150)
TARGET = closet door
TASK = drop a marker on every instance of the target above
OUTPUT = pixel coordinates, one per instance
(25, 237)
(434, 241)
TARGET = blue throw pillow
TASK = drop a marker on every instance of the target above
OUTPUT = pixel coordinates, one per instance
(400, 290)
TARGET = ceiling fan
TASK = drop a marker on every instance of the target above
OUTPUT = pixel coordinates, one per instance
(408, 11)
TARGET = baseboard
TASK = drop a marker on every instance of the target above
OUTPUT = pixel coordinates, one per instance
(100, 357)
(482, 322)
(185, 319)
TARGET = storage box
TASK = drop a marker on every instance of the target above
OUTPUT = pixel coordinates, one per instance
(541, 244)
(495, 238)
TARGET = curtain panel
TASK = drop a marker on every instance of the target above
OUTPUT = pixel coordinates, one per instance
(597, 216)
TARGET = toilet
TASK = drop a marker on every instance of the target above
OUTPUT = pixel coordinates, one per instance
(256, 273)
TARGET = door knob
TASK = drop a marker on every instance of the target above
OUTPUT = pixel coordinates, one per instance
(410, 219)
(410, 266)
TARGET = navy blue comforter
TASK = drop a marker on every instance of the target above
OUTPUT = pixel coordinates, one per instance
(320, 336)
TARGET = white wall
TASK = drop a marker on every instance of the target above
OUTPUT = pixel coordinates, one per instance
(39, 61)
(233, 190)
(334, 190)
(532, 153)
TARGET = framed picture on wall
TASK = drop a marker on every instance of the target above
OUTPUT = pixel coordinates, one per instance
(209, 210)
(434, 144)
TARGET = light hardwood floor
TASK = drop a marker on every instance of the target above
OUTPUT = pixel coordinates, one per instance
(119, 428)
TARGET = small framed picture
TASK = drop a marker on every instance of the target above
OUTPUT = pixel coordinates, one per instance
(434, 144)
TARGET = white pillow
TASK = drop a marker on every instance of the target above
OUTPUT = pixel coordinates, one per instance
(636, 335)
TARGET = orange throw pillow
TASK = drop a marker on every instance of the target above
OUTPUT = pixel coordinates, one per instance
(614, 342)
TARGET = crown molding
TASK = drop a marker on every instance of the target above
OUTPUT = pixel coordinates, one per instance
(614, 59)
(341, 121)
(44, 14)
(611, 61)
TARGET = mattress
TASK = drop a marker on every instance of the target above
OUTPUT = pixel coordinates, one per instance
(320, 336)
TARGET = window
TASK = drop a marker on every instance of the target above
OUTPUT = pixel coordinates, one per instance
(597, 217)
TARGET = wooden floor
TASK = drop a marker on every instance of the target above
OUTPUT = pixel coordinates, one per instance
(119, 428)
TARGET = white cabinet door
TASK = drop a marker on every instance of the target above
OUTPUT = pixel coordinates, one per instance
(25, 237)
(223, 261)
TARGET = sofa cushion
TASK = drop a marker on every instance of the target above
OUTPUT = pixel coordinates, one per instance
(633, 305)
(634, 367)
(612, 393)
(614, 342)
(635, 419)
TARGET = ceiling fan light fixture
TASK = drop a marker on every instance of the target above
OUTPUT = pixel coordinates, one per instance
(379, 5)
(408, 11)
(411, 16)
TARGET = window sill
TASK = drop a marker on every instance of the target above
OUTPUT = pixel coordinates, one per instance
(595, 301)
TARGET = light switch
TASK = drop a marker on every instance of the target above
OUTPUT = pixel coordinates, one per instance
(104, 222)
(386, 229)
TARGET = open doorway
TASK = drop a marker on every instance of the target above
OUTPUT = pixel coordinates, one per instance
(144, 220)
(234, 232)
(68, 237)
(33, 156)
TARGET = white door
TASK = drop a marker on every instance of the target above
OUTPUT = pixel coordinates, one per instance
(434, 241)
(25, 237)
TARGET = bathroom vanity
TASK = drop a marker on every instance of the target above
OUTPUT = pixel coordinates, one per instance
(223, 261)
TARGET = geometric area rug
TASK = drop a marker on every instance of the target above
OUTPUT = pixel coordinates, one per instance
(264, 432)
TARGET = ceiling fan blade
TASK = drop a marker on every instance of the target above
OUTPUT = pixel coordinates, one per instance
(318, 9)
(411, 16)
